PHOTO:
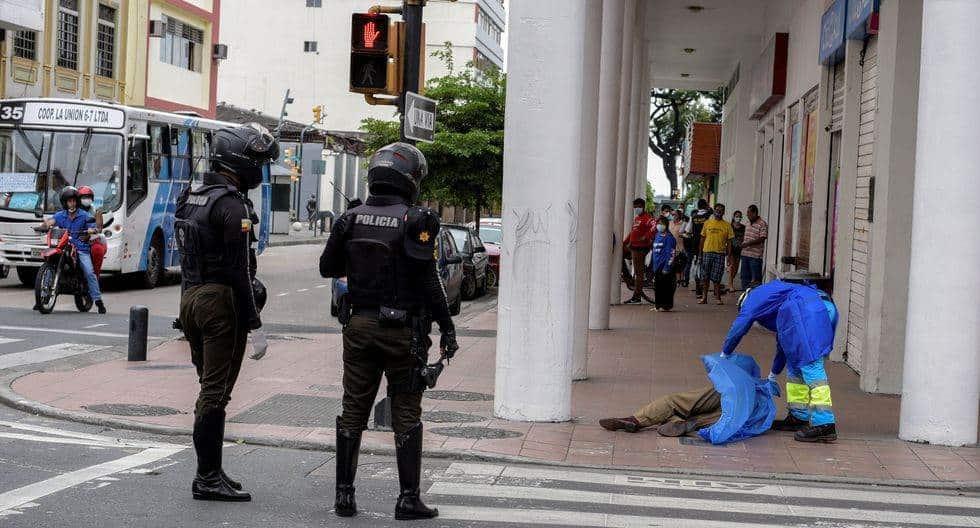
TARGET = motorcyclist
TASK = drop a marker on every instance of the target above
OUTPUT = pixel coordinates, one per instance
(218, 305)
(387, 249)
(80, 226)
(86, 198)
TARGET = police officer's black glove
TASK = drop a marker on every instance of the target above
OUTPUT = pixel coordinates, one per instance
(447, 344)
(254, 323)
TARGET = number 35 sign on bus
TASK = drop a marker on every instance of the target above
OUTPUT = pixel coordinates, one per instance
(60, 114)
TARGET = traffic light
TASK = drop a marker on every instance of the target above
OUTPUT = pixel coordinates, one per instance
(317, 113)
(373, 55)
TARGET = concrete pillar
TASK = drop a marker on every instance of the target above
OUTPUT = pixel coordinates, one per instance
(622, 154)
(587, 187)
(941, 381)
(543, 137)
(610, 64)
(635, 101)
(643, 127)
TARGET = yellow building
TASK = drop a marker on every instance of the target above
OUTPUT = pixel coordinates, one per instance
(153, 53)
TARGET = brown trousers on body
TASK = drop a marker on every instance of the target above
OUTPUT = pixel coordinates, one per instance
(702, 405)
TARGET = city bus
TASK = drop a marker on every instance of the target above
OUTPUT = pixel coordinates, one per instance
(138, 161)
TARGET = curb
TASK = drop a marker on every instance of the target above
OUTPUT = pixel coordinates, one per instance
(301, 242)
(11, 399)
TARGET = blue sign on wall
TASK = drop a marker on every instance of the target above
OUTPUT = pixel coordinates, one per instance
(858, 12)
(832, 33)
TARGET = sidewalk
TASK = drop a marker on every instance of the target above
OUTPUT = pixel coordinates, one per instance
(292, 395)
(297, 238)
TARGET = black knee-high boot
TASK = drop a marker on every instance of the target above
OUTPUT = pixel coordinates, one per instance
(209, 482)
(348, 447)
(408, 449)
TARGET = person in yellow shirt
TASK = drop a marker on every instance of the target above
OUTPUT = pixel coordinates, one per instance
(716, 249)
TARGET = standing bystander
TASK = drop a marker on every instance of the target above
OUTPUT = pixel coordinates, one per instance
(663, 276)
(716, 245)
(739, 229)
(753, 246)
(638, 243)
(693, 242)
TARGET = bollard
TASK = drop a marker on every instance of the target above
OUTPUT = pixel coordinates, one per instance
(138, 319)
(382, 415)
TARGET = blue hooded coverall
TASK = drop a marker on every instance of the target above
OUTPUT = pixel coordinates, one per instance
(804, 319)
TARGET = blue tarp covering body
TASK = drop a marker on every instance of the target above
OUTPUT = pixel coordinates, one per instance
(747, 408)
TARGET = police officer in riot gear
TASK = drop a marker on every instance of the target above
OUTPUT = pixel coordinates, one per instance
(386, 249)
(217, 304)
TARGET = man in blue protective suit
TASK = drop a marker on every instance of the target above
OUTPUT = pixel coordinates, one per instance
(804, 319)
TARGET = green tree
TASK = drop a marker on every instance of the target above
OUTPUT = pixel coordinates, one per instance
(671, 112)
(466, 159)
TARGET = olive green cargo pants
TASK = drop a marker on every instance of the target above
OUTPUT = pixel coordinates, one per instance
(217, 339)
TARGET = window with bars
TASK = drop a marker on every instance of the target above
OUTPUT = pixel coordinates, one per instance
(182, 45)
(25, 45)
(309, 46)
(106, 41)
(68, 34)
(314, 3)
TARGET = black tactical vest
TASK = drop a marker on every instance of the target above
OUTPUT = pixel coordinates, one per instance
(201, 244)
(379, 273)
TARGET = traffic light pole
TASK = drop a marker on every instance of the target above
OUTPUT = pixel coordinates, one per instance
(412, 15)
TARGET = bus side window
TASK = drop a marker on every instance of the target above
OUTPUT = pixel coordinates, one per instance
(180, 153)
(202, 154)
(136, 184)
(159, 148)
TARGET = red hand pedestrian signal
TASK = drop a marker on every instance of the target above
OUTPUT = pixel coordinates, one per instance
(371, 34)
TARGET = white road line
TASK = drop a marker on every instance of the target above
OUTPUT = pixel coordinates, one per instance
(577, 518)
(38, 490)
(322, 286)
(97, 325)
(5, 340)
(726, 506)
(60, 331)
(56, 440)
(302, 290)
(776, 490)
(94, 439)
(46, 353)
(283, 294)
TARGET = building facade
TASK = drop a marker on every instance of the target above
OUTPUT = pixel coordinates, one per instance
(850, 123)
(105, 50)
(305, 48)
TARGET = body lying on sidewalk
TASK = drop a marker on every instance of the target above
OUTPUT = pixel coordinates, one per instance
(675, 414)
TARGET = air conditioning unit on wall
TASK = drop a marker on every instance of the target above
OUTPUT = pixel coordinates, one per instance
(220, 51)
(157, 28)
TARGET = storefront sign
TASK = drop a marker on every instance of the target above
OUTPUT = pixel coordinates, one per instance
(858, 13)
(832, 33)
(66, 115)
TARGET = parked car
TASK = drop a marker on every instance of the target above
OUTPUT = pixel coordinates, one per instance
(475, 260)
(450, 267)
(492, 236)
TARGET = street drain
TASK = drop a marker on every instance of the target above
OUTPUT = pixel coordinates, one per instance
(294, 410)
(451, 417)
(161, 367)
(457, 395)
(132, 409)
(476, 433)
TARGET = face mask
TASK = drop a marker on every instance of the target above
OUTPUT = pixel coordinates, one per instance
(637, 211)
(719, 215)
(661, 228)
(86, 202)
(738, 219)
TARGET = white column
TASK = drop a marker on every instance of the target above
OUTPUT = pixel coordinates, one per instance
(587, 188)
(643, 126)
(610, 65)
(619, 204)
(543, 124)
(941, 385)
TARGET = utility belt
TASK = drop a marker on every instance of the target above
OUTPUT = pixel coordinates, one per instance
(387, 317)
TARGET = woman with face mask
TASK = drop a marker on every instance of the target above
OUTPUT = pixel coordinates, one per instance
(739, 228)
(664, 278)
(87, 197)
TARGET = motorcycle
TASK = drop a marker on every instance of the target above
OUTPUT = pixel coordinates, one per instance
(60, 273)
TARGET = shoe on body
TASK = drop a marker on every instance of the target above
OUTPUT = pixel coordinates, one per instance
(629, 424)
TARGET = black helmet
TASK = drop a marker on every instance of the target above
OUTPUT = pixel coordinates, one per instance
(66, 193)
(243, 151)
(398, 169)
(260, 294)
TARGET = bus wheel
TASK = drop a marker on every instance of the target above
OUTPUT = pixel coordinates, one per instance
(153, 275)
(27, 275)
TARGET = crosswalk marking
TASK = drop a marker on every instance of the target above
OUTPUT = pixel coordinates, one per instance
(700, 505)
(577, 518)
(5, 340)
(47, 353)
(646, 481)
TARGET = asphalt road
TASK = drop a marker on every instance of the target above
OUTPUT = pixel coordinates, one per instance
(56, 474)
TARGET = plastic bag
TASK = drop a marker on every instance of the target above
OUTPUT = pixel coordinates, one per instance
(747, 408)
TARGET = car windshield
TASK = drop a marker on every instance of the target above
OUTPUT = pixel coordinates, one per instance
(459, 236)
(491, 235)
(35, 165)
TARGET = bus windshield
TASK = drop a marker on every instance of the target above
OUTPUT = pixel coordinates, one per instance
(36, 164)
